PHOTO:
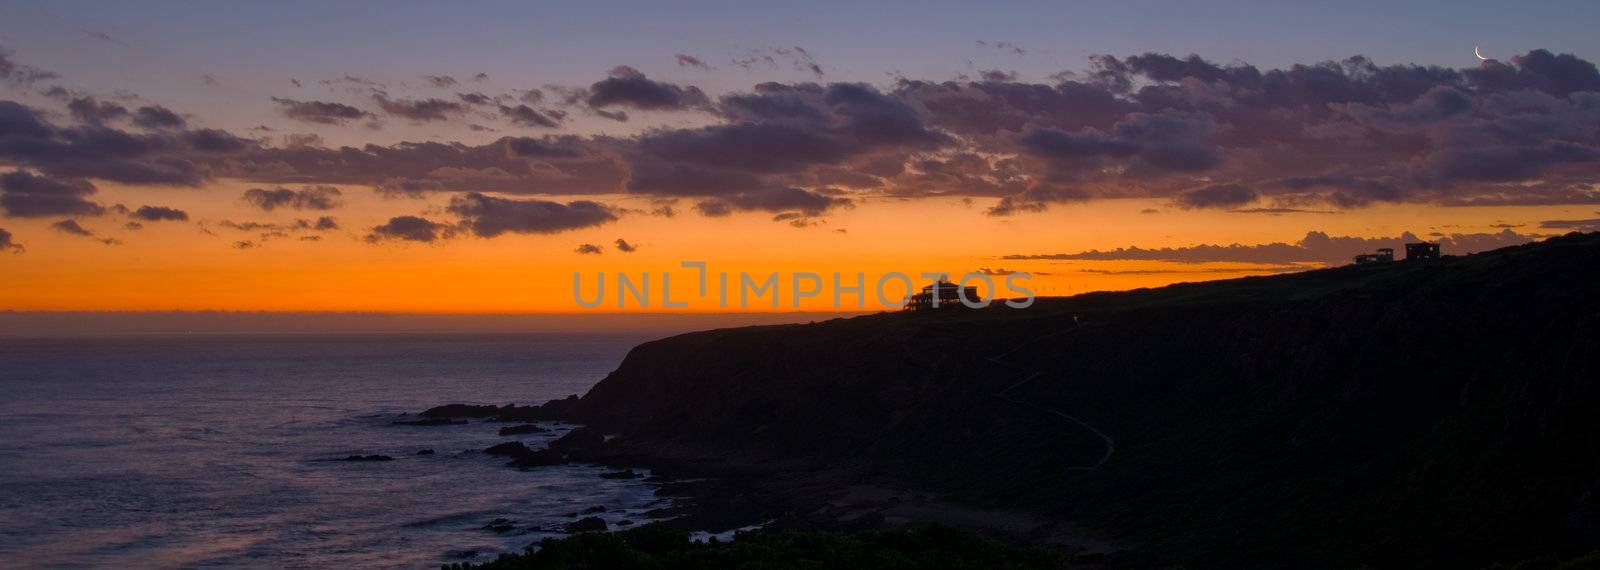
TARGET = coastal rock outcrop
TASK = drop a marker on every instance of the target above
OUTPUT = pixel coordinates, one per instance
(586, 524)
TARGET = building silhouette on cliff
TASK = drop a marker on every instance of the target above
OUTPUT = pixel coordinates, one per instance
(1414, 252)
(1423, 250)
(1383, 254)
(947, 293)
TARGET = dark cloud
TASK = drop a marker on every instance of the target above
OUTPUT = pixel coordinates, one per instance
(521, 165)
(302, 139)
(159, 213)
(780, 199)
(747, 147)
(1340, 134)
(589, 249)
(1001, 271)
(408, 228)
(95, 112)
(795, 201)
(998, 75)
(421, 110)
(158, 117)
(409, 187)
(1558, 75)
(1280, 211)
(440, 81)
(96, 151)
(1217, 196)
(320, 112)
(1151, 145)
(24, 194)
(1345, 134)
(1591, 225)
(307, 198)
(783, 134)
(1344, 191)
(1003, 46)
(488, 216)
(625, 247)
(795, 58)
(1036, 199)
(70, 226)
(627, 87)
(216, 141)
(530, 117)
(714, 208)
(1315, 247)
(323, 223)
(7, 244)
(476, 99)
(686, 60)
(19, 74)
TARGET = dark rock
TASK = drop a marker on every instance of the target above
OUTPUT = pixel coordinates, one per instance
(500, 525)
(540, 458)
(521, 429)
(594, 509)
(623, 474)
(587, 524)
(460, 411)
(368, 458)
(579, 439)
(428, 422)
(511, 449)
(425, 452)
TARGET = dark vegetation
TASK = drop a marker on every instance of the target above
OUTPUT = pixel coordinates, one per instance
(658, 547)
(1397, 415)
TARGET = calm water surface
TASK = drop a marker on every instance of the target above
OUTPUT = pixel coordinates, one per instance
(176, 451)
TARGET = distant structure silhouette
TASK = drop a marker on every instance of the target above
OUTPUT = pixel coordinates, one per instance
(1414, 252)
(1383, 254)
(947, 293)
(1422, 250)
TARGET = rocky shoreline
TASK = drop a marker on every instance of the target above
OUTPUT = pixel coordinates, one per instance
(717, 496)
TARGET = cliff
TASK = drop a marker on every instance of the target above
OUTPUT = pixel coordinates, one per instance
(1430, 413)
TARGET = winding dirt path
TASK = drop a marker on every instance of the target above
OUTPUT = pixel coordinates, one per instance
(1110, 444)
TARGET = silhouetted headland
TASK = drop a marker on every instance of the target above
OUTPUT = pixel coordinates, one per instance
(1440, 413)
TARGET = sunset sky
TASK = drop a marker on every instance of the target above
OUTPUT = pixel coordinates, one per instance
(469, 159)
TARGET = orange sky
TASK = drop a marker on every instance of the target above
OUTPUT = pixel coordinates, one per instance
(173, 266)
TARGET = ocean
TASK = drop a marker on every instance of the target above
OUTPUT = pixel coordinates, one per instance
(223, 450)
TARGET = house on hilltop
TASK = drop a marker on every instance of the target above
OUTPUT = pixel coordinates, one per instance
(1422, 250)
(947, 294)
(1383, 254)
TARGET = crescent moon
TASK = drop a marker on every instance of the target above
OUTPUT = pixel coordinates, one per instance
(1478, 53)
